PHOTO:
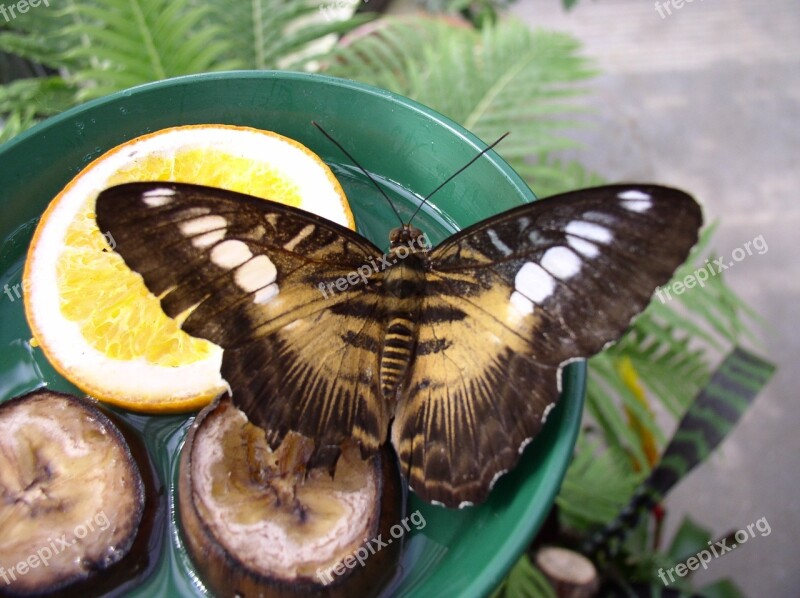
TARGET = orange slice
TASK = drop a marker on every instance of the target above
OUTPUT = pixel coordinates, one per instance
(94, 318)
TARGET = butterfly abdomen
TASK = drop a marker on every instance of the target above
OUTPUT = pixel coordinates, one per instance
(404, 283)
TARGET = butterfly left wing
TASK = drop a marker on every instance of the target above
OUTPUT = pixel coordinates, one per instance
(511, 299)
(244, 273)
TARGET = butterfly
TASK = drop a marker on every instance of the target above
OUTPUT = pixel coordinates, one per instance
(455, 352)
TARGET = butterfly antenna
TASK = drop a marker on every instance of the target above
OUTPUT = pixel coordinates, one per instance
(456, 173)
(361, 168)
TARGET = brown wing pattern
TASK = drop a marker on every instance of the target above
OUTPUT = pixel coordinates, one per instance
(244, 273)
(511, 299)
(506, 303)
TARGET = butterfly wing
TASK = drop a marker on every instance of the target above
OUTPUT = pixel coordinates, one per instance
(245, 274)
(511, 299)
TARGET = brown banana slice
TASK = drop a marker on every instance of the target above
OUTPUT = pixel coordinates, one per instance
(257, 524)
(71, 495)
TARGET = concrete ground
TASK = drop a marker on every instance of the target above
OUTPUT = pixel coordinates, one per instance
(708, 99)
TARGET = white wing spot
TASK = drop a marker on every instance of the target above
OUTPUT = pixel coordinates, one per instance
(521, 303)
(536, 238)
(231, 254)
(208, 239)
(298, 238)
(588, 230)
(496, 477)
(637, 206)
(636, 201)
(583, 247)
(525, 443)
(547, 411)
(465, 503)
(561, 262)
(256, 274)
(265, 294)
(634, 194)
(601, 218)
(533, 282)
(155, 198)
(498, 242)
(190, 213)
(201, 225)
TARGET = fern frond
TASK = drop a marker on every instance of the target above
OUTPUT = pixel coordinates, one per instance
(24, 101)
(598, 483)
(548, 176)
(266, 34)
(504, 77)
(129, 42)
(524, 581)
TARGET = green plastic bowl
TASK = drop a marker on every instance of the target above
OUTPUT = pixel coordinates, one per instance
(411, 149)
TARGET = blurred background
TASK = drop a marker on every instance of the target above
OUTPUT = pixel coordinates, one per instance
(703, 95)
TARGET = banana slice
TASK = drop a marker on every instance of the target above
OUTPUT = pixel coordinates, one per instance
(71, 495)
(257, 523)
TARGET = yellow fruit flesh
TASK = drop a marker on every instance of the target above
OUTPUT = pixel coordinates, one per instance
(123, 319)
(206, 166)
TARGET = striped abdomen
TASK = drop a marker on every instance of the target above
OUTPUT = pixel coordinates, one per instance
(404, 285)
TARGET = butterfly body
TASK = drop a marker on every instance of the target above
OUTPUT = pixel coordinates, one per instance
(404, 283)
(454, 352)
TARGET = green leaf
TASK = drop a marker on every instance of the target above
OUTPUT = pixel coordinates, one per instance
(714, 413)
(39, 96)
(128, 42)
(269, 34)
(603, 408)
(524, 581)
(548, 176)
(722, 589)
(598, 483)
(15, 123)
(690, 539)
(24, 101)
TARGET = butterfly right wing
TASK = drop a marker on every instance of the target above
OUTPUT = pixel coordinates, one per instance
(509, 301)
(245, 274)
